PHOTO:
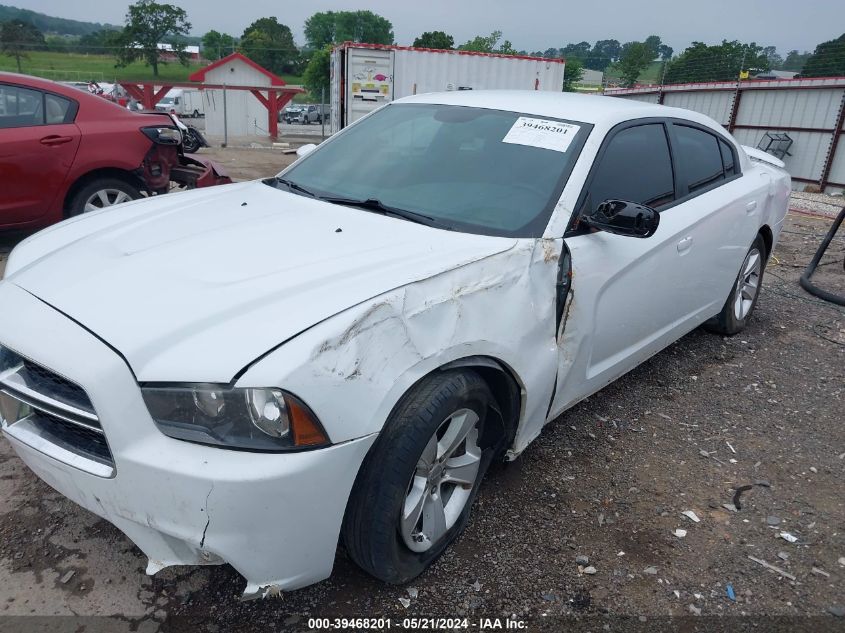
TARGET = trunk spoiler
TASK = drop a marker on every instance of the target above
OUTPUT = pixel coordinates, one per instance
(762, 157)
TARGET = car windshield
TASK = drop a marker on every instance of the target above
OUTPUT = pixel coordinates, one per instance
(468, 169)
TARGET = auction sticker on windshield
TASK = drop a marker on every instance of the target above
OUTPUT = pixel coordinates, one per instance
(552, 135)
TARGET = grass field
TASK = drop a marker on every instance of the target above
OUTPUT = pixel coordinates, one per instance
(79, 67)
(651, 75)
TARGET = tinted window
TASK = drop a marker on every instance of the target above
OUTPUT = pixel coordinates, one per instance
(20, 107)
(700, 158)
(636, 167)
(56, 109)
(727, 158)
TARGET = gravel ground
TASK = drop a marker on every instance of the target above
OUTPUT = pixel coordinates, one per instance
(760, 413)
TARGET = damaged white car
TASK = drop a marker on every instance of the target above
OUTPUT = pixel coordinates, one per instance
(254, 373)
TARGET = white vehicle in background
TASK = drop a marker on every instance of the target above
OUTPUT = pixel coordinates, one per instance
(411, 300)
(184, 103)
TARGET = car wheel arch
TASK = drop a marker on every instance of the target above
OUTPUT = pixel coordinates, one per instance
(768, 239)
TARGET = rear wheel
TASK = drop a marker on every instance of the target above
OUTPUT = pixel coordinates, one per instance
(100, 194)
(413, 495)
(741, 302)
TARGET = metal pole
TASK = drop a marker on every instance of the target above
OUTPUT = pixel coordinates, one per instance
(323, 114)
(225, 120)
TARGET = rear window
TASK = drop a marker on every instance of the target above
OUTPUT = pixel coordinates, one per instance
(700, 157)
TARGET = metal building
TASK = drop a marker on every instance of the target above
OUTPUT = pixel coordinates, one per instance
(248, 112)
(810, 111)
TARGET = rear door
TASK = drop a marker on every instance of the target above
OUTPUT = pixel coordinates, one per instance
(630, 296)
(722, 207)
(38, 142)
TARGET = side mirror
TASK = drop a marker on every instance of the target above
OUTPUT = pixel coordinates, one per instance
(623, 218)
(305, 150)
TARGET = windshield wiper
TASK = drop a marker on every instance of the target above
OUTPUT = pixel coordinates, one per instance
(369, 204)
(292, 186)
(377, 206)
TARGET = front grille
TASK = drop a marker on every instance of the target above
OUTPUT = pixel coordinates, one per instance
(46, 410)
(46, 382)
(86, 442)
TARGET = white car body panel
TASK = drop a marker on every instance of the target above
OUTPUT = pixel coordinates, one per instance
(255, 287)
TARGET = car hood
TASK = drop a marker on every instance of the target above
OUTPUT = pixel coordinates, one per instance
(195, 286)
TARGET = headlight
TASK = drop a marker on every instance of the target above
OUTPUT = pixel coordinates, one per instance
(163, 135)
(248, 419)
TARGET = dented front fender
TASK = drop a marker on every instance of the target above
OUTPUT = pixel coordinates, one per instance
(353, 368)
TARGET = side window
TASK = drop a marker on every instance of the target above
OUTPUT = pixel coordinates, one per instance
(56, 109)
(700, 158)
(20, 107)
(728, 160)
(636, 167)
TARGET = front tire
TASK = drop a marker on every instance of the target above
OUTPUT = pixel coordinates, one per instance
(740, 304)
(414, 492)
(100, 194)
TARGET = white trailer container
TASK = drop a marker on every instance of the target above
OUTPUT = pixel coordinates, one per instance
(193, 104)
(366, 76)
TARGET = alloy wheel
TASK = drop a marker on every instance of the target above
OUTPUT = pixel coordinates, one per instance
(105, 198)
(748, 284)
(442, 482)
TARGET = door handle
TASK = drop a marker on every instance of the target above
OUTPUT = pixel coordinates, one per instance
(751, 206)
(55, 139)
(685, 244)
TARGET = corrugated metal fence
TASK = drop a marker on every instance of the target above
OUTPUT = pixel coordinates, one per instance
(811, 111)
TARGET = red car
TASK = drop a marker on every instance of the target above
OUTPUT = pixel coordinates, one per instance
(64, 152)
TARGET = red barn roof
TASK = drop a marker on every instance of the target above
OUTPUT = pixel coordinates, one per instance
(275, 80)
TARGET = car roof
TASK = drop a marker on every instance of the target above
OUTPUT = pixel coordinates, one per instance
(598, 110)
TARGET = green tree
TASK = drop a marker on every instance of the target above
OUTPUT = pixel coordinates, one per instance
(333, 27)
(316, 75)
(216, 45)
(828, 60)
(270, 44)
(720, 62)
(572, 74)
(665, 51)
(18, 37)
(435, 39)
(580, 50)
(149, 23)
(603, 53)
(795, 61)
(654, 43)
(771, 54)
(636, 56)
(482, 44)
(103, 41)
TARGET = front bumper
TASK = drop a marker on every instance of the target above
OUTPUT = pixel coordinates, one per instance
(274, 517)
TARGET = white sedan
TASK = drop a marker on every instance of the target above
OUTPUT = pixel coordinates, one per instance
(251, 374)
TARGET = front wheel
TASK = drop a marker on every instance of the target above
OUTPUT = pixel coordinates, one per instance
(741, 302)
(413, 495)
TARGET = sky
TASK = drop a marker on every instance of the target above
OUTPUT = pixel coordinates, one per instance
(529, 24)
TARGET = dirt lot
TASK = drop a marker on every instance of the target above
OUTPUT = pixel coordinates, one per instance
(608, 480)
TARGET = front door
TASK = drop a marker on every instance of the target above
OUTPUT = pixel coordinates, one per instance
(630, 296)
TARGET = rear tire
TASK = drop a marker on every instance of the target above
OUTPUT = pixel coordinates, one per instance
(414, 492)
(742, 300)
(101, 193)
